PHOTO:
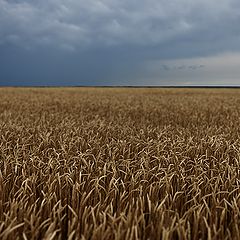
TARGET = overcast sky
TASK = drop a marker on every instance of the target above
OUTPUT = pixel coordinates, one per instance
(120, 42)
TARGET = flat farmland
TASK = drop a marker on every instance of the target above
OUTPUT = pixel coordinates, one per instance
(119, 163)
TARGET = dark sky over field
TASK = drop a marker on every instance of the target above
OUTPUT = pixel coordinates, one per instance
(120, 42)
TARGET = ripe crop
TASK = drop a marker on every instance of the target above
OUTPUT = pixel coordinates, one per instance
(117, 163)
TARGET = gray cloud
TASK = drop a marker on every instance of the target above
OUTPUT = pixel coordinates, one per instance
(181, 67)
(81, 24)
(113, 41)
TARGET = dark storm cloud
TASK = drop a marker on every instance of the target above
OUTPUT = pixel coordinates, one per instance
(78, 24)
(109, 41)
(181, 67)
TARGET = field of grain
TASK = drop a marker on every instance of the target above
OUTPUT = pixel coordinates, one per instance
(102, 163)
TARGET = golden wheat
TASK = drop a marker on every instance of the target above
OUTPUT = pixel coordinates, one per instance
(92, 163)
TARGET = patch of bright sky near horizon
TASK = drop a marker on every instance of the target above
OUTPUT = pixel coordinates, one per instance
(119, 42)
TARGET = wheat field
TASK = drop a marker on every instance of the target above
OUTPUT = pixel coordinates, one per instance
(119, 163)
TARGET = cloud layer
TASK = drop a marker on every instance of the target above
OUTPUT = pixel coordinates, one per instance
(80, 24)
(119, 33)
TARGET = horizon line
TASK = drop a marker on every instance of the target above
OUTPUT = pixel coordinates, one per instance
(120, 86)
